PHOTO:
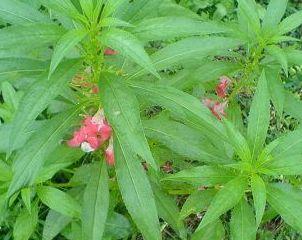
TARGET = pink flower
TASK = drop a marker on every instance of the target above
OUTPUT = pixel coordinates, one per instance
(109, 154)
(217, 108)
(109, 52)
(92, 134)
(77, 139)
(95, 89)
(221, 89)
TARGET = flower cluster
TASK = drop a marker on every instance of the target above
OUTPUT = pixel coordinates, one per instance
(94, 132)
(109, 52)
(218, 107)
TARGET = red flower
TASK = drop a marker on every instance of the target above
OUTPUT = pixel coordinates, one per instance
(93, 133)
(217, 108)
(109, 52)
(221, 89)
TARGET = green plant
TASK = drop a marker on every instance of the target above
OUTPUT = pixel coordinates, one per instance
(127, 79)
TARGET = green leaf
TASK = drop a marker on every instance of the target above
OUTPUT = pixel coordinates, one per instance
(117, 227)
(188, 50)
(183, 140)
(242, 224)
(95, 203)
(64, 7)
(168, 210)
(224, 200)
(62, 157)
(129, 46)
(238, 142)
(164, 28)
(182, 106)
(59, 201)
(293, 105)
(21, 65)
(259, 196)
(113, 22)
(274, 13)
(88, 7)
(279, 55)
(25, 224)
(30, 159)
(248, 15)
(203, 176)
(276, 89)
(287, 145)
(286, 200)
(215, 231)
(26, 198)
(37, 98)
(9, 95)
(54, 223)
(16, 12)
(289, 165)
(6, 172)
(122, 111)
(212, 70)
(136, 191)
(64, 45)
(197, 202)
(290, 23)
(25, 37)
(259, 117)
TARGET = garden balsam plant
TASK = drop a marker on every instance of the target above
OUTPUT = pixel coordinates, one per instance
(69, 62)
(251, 179)
(76, 77)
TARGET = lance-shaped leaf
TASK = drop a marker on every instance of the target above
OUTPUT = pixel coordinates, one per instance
(237, 141)
(25, 37)
(122, 111)
(54, 223)
(224, 200)
(37, 98)
(26, 223)
(197, 202)
(259, 196)
(183, 140)
(64, 7)
(30, 159)
(280, 56)
(95, 203)
(243, 226)
(21, 65)
(182, 106)
(128, 45)
(276, 89)
(16, 12)
(248, 15)
(274, 13)
(88, 7)
(290, 23)
(59, 201)
(259, 117)
(287, 145)
(163, 28)
(136, 190)
(286, 165)
(286, 200)
(203, 176)
(215, 231)
(188, 50)
(64, 45)
(168, 210)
